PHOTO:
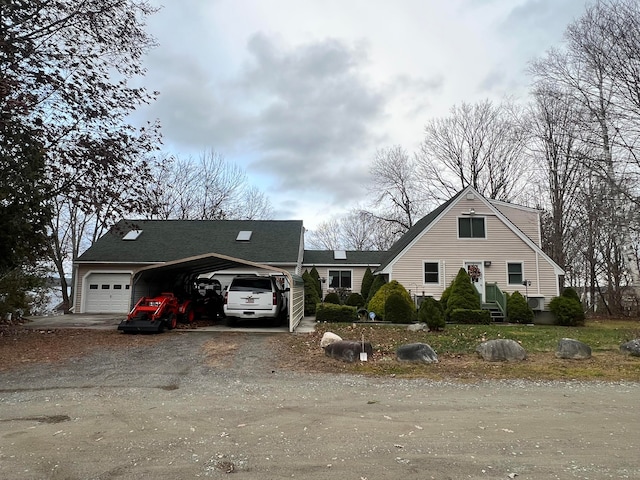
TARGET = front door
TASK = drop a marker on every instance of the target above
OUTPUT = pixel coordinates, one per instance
(476, 272)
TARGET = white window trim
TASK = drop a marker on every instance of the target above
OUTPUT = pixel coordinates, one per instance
(329, 287)
(486, 228)
(439, 282)
(506, 267)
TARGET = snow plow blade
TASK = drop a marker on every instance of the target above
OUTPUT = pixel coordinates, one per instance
(141, 326)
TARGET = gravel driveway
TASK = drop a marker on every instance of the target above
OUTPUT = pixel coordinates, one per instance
(163, 412)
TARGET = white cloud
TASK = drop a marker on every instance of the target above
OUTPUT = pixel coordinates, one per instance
(302, 93)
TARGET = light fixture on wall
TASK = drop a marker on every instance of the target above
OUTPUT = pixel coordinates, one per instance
(487, 263)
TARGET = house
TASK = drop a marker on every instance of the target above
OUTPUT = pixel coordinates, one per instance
(146, 257)
(341, 269)
(498, 243)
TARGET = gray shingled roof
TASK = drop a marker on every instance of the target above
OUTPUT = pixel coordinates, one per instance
(272, 241)
(325, 257)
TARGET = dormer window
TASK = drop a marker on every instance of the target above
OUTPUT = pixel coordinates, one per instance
(471, 227)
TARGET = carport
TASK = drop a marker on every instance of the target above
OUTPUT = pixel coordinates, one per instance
(169, 276)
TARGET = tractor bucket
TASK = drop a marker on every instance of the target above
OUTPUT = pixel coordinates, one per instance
(141, 325)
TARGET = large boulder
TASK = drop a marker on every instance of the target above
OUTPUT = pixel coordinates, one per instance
(348, 350)
(328, 338)
(632, 347)
(572, 349)
(501, 350)
(416, 352)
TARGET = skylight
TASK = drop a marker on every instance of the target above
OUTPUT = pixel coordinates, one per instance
(132, 235)
(244, 235)
(339, 255)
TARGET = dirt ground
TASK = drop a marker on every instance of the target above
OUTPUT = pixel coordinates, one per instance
(84, 404)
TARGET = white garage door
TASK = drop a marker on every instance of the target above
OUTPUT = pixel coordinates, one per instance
(108, 293)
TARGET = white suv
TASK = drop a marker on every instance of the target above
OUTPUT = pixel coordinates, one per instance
(255, 297)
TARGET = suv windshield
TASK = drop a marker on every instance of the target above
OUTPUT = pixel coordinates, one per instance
(251, 285)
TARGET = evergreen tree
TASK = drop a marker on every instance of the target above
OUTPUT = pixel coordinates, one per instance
(463, 294)
(518, 310)
(378, 282)
(367, 281)
(432, 313)
(316, 278)
(311, 297)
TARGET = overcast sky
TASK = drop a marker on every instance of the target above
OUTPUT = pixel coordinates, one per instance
(301, 93)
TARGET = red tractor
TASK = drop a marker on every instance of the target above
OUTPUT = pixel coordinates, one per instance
(152, 314)
(202, 298)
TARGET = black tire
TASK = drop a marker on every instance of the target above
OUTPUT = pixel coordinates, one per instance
(232, 321)
(171, 321)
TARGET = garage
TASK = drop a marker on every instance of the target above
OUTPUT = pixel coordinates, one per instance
(107, 292)
(171, 276)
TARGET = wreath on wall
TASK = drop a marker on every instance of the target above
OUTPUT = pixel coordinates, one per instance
(474, 272)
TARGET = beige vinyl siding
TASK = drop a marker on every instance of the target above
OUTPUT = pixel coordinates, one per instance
(441, 243)
(526, 220)
(357, 273)
(85, 269)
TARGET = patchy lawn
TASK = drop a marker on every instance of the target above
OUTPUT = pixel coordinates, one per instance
(456, 351)
(301, 352)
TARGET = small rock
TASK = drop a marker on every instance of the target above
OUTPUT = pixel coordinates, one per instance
(417, 327)
(328, 338)
(632, 347)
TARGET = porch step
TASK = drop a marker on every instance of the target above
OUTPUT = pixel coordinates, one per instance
(496, 313)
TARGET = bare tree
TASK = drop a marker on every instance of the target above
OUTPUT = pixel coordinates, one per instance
(207, 188)
(326, 236)
(396, 198)
(358, 230)
(598, 70)
(481, 145)
(556, 146)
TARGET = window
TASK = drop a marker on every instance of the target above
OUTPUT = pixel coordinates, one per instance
(514, 273)
(471, 227)
(117, 287)
(431, 272)
(93, 286)
(105, 287)
(340, 278)
(132, 235)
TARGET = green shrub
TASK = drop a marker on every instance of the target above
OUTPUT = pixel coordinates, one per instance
(518, 310)
(571, 293)
(567, 311)
(355, 300)
(311, 297)
(316, 279)
(378, 282)
(431, 313)
(471, 317)
(397, 309)
(367, 281)
(332, 297)
(377, 303)
(463, 295)
(330, 312)
(444, 301)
